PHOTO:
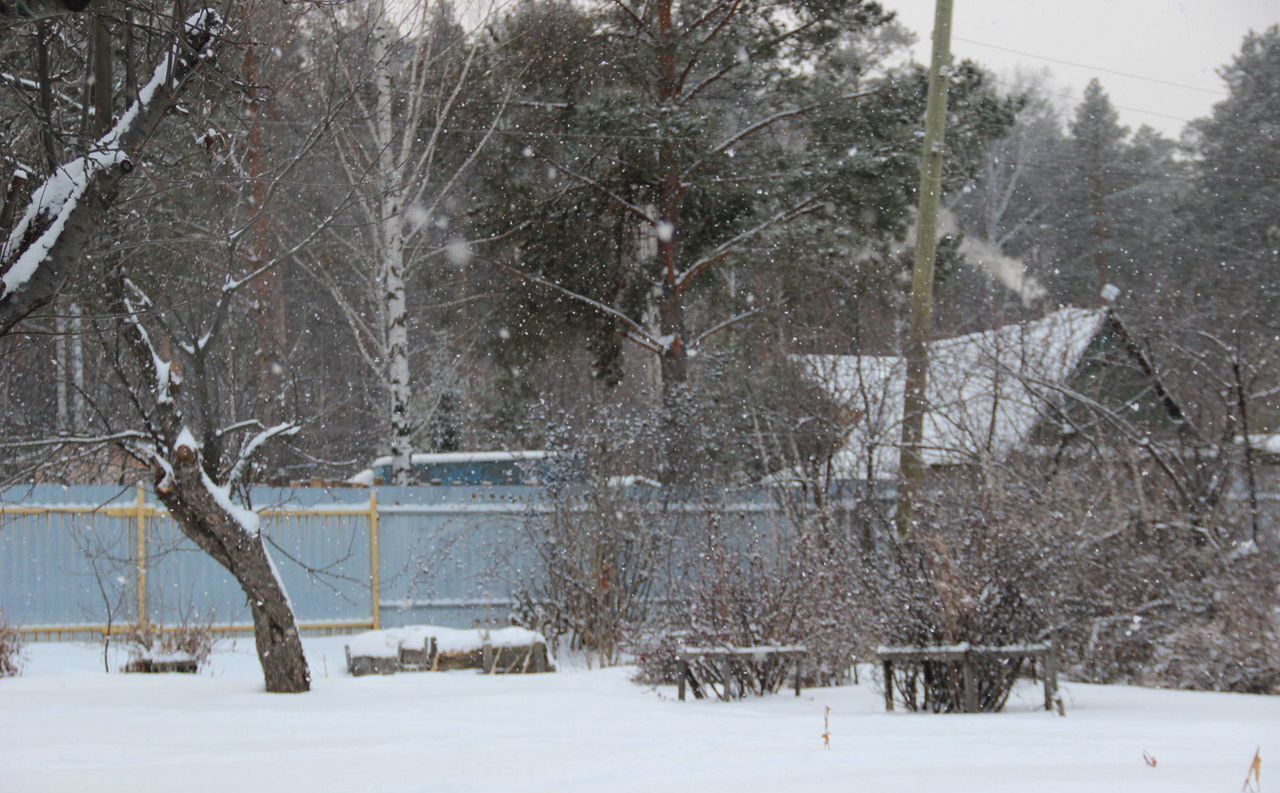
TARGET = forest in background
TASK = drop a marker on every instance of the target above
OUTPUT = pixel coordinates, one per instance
(517, 230)
(271, 242)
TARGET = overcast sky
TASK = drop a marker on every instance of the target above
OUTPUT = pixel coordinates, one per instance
(1179, 41)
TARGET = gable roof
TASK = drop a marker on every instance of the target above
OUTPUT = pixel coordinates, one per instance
(987, 392)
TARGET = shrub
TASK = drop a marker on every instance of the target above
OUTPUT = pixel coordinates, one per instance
(151, 644)
(599, 555)
(11, 655)
(752, 591)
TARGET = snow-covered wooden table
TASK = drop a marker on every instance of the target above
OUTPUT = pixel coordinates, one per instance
(967, 655)
(732, 667)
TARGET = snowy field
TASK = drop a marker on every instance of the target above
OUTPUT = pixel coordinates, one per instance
(67, 726)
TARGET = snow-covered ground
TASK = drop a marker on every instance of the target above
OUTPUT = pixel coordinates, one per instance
(65, 725)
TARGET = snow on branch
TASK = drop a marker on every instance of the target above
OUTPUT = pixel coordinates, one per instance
(32, 85)
(46, 240)
(161, 368)
(255, 443)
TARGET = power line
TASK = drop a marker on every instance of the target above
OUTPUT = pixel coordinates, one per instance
(1095, 68)
(1074, 98)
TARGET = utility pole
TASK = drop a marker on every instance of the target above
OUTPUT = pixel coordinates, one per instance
(914, 403)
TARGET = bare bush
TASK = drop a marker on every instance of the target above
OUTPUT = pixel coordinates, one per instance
(153, 646)
(600, 553)
(11, 656)
(1134, 577)
(748, 590)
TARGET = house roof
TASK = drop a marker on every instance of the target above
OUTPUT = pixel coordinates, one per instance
(987, 392)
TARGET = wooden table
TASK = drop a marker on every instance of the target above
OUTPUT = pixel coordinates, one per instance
(724, 658)
(966, 655)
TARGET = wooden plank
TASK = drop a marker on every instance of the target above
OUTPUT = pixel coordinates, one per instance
(970, 682)
(888, 684)
(1051, 682)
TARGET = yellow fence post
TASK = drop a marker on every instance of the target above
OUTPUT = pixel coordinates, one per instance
(141, 540)
(375, 566)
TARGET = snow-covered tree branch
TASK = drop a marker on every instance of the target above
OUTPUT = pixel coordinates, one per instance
(47, 242)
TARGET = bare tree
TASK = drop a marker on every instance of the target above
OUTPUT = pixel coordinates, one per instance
(422, 116)
(47, 242)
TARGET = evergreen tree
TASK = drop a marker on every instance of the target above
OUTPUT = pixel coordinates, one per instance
(1232, 217)
(665, 144)
(1092, 172)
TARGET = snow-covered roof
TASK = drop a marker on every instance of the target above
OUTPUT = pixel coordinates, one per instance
(368, 477)
(987, 392)
(469, 457)
(1268, 443)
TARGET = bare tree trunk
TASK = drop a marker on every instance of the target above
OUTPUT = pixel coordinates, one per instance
(48, 142)
(677, 456)
(239, 548)
(392, 259)
(401, 389)
(76, 343)
(269, 288)
(103, 79)
(61, 370)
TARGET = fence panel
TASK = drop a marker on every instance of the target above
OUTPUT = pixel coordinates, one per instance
(349, 558)
(66, 568)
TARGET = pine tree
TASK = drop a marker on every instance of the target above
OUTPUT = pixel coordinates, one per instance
(670, 143)
(1232, 217)
(1092, 173)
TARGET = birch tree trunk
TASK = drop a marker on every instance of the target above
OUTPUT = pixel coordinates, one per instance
(391, 252)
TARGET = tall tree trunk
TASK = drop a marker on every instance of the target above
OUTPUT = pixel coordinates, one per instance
(61, 370)
(103, 77)
(398, 377)
(678, 457)
(48, 141)
(1098, 195)
(76, 342)
(395, 311)
(269, 289)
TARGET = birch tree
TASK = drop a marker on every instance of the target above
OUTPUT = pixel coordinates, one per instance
(422, 115)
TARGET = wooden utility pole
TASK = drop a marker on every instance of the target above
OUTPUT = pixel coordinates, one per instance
(914, 402)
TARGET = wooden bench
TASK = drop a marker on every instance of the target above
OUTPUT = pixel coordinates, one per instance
(524, 659)
(729, 666)
(967, 656)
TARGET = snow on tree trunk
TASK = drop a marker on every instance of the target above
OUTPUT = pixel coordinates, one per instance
(203, 508)
(392, 258)
(230, 535)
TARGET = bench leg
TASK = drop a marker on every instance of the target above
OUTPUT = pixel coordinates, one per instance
(1050, 680)
(888, 686)
(970, 684)
(799, 667)
(684, 673)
